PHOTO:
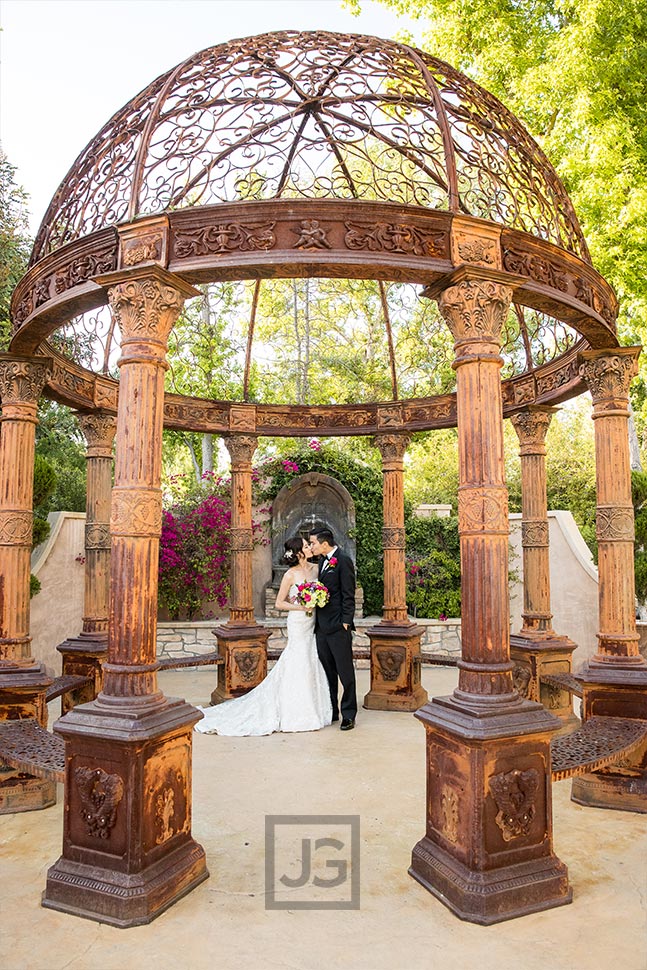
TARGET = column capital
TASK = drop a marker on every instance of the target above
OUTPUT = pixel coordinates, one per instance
(475, 309)
(392, 447)
(241, 447)
(99, 428)
(531, 425)
(146, 301)
(608, 374)
(22, 379)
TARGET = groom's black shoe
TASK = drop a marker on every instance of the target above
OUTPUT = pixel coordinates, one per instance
(347, 724)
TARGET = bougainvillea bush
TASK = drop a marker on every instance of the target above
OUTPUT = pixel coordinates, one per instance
(194, 556)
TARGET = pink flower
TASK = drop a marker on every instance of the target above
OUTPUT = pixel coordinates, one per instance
(315, 444)
(332, 562)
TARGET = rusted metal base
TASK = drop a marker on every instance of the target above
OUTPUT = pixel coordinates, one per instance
(535, 656)
(395, 668)
(83, 656)
(487, 853)
(244, 652)
(22, 693)
(20, 792)
(128, 853)
(613, 691)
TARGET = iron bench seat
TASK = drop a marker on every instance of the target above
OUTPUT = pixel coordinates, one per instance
(27, 746)
(64, 684)
(598, 742)
(214, 658)
(565, 681)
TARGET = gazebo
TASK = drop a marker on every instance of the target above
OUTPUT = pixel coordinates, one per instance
(302, 155)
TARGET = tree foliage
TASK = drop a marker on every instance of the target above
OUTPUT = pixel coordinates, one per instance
(15, 244)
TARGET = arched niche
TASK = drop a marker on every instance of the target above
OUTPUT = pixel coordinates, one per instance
(311, 500)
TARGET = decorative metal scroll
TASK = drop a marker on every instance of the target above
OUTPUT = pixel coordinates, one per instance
(312, 115)
(598, 742)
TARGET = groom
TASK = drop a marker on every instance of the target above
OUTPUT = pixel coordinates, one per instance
(334, 624)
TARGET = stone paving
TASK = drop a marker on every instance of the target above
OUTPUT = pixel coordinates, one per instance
(377, 773)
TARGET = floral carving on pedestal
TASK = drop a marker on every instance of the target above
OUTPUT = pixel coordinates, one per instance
(164, 812)
(534, 534)
(393, 538)
(136, 512)
(100, 795)
(483, 509)
(522, 680)
(242, 539)
(97, 535)
(449, 808)
(515, 794)
(247, 662)
(390, 661)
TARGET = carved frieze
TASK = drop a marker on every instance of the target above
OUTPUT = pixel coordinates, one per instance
(246, 662)
(21, 381)
(100, 794)
(242, 539)
(77, 271)
(608, 376)
(524, 390)
(136, 512)
(97, 535)
(449, 808)
(534, 534)
(390, 661)
(389, 416)
(16, 527)
(557, 377)
(475, 309)
(614, 524)
(393, 538)
(483, 510)
(200, 415)
(242, 418)
(226, 237)
(143, 249)
(515, 794)
(311, 235)
(396, 237)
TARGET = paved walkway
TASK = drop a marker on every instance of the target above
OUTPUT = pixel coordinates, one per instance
(376, 772)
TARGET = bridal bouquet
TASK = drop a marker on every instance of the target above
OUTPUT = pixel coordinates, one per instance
(311, 595)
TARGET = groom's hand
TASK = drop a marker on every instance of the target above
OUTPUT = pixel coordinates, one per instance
(346, 625)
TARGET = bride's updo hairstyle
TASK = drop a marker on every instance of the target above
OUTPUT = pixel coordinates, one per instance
(292, 548)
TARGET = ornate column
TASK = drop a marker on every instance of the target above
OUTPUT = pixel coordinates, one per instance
(84, 655)
(242, 643)
(487, 852)
(23, 680)
(615, 679)
(395, 641)
(127, 848)
(537, 650)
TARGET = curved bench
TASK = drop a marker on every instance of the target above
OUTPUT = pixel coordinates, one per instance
(28, 747)
(599, 742)
(65, 684)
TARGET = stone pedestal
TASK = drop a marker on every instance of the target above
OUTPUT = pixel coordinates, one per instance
(244, 653)
(395, 668)
(83, 656)
(534, 657)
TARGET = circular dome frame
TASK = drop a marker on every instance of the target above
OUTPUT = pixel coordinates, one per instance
(296, 234)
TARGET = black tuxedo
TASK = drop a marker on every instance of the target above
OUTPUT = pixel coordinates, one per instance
(334, 643)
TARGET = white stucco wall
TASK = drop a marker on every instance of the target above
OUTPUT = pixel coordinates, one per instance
(573, 580)
(57, 610)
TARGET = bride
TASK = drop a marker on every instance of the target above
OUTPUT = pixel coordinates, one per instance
(295, 695)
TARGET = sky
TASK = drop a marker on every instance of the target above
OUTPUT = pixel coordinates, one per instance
(67, 65)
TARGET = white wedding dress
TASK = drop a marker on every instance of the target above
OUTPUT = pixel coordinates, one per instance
(293, 697)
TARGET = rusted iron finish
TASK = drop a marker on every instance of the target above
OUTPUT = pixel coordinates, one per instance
(28, 747)
(487, 748)
(599, 742)
(395, 641)
(308, 108)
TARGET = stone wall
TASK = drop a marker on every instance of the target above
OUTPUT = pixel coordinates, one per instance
(440, 637)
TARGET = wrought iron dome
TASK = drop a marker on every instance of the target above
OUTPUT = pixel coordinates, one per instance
(312, 115)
